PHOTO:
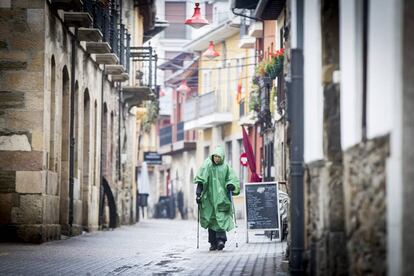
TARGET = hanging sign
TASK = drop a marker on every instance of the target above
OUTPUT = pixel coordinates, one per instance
(152, 158)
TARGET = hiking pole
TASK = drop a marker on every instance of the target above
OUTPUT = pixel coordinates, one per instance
(198, 225)
(234, 216)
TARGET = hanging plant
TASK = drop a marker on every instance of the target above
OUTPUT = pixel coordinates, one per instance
(254, 99)
(272, 66)
(153, 108)
(275, 66)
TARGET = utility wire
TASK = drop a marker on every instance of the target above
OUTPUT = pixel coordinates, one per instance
(218, 68)
(225, 80)
(218, 60)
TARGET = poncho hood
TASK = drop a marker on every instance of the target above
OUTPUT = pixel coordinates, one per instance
(220, 152)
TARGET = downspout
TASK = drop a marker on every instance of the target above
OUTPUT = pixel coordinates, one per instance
(119, 130)
(296, 113)
(246, 16)
(101, 191)
(72, 129)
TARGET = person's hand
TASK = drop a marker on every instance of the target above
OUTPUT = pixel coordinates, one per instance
(230, 187)
(198, 199)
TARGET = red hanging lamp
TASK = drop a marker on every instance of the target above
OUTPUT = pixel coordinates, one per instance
(196, 21)
(183, 88)
(211, 52)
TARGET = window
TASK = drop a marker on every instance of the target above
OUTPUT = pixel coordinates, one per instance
(206, 152)
(175, 14)
(207, 81)
(209, 12)
(229, 153)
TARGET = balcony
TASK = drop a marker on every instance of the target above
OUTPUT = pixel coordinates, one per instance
(247, 42)
(97, 26)
(165, 136)
(180, 131)
(256, 29)
(206, 110)
(168, 145)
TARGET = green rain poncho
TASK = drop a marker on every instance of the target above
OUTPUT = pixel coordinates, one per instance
(216, 212)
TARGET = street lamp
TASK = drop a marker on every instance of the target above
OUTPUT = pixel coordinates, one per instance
(183, 88)
(211, 52)
(196, 21)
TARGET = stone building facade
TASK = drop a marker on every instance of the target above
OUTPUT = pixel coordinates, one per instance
(57, 93)
(351, 144)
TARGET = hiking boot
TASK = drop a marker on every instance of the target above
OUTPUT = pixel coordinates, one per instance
(220, 245)
(213, 247)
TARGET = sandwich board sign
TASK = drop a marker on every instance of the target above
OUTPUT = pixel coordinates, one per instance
(262, 207)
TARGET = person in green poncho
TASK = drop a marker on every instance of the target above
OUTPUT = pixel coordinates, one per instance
(215, 180)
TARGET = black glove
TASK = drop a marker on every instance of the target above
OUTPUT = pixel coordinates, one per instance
(230, 187)
(198, 192)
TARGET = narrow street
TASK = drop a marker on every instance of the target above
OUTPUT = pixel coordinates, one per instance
(151, 247)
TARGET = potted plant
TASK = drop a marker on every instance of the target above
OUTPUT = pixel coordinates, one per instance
(272, 66)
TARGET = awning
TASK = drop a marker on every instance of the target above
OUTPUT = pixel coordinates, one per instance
(269, 9)
(244, 4)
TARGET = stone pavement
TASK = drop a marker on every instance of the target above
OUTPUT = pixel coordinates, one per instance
(151, 247)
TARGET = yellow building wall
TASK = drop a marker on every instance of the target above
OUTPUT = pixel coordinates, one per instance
(236, 66)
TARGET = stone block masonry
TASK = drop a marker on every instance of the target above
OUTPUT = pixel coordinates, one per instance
(365, 206)
(35, 106)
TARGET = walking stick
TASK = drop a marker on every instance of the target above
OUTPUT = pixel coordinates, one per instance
(234, 216)
(198, 225)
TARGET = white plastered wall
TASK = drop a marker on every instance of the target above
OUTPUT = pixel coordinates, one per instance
(313, 92)
(351, 72)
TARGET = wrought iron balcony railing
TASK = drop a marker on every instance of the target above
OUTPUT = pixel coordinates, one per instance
(106, 18)
(204, 105)
(180, 131)
(165, 135)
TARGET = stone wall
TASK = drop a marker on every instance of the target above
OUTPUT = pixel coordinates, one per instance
(365, 205)
(324, 224)
(35, 87)
(23, 179)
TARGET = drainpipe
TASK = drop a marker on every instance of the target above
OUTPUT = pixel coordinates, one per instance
(296, 113)
(101, 191)
(72, 129)
(119, 130)
(246, 16)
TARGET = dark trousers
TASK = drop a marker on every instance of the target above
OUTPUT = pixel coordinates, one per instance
(214, 237)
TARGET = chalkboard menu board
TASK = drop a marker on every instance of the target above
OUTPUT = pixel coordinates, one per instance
(262, 205)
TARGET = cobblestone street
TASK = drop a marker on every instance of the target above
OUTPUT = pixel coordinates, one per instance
(151, 247)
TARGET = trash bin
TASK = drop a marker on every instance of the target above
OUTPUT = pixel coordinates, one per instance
(142, 200)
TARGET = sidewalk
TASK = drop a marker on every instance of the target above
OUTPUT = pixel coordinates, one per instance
(151, 247)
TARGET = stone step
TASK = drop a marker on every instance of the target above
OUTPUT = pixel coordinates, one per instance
(89, 34)
(121, 77)
(77, 19)
(114, 69)
(109, 58)
(135, 95)
(143, 93)
(98, 47)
